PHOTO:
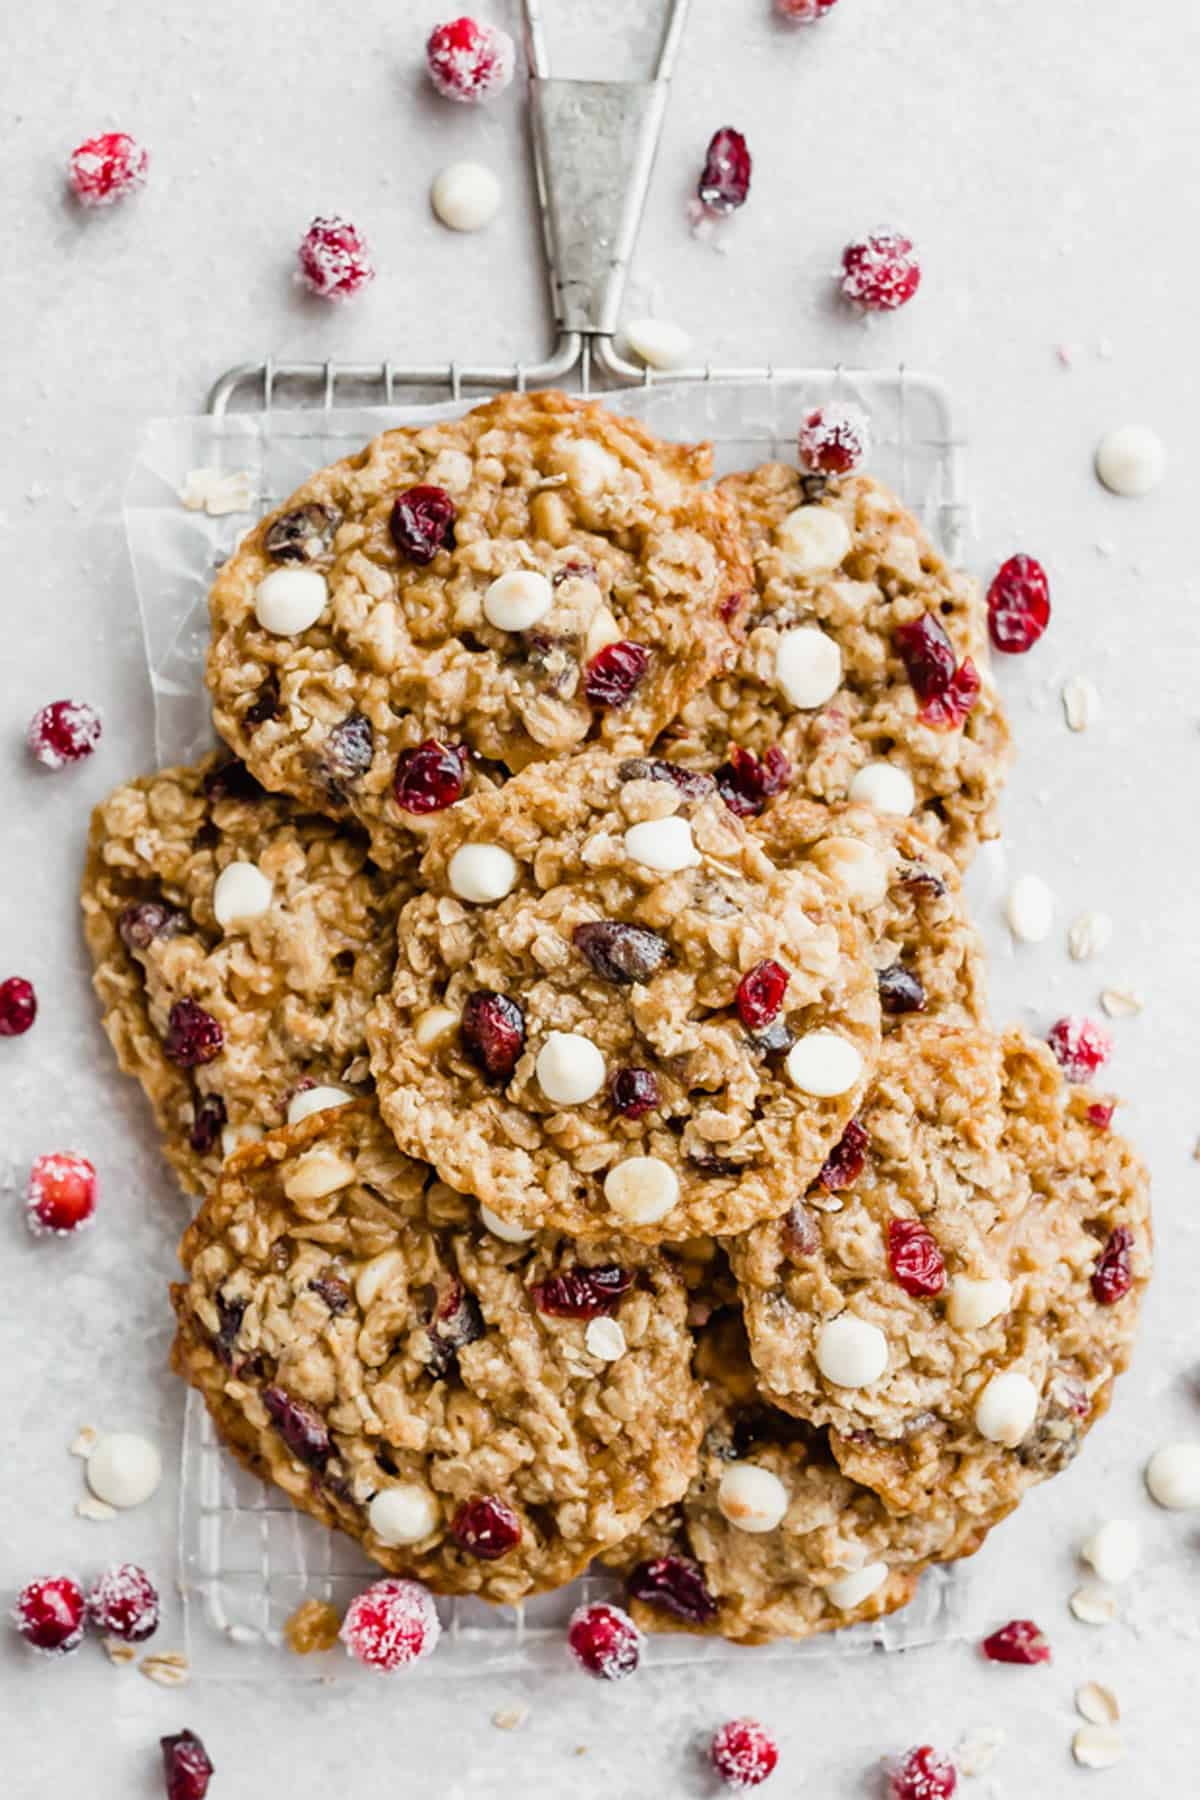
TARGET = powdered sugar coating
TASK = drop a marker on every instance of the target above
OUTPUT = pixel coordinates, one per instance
(391, 1625)
(108, 168)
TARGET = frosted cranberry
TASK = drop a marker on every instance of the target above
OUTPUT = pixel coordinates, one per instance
(303, 535)
(347, 752)
(900, 991)
(468, 61)
(1100, 1114)
(922, 1774)
(655, 768)
(803, 12)
(422, 523)
(633, 1092)
(193, 1036)
(140, 924)
(1112, 1276)
(834, 439)
(18, 1006)
(187, 1766)
(745, 784)
(618, 952)
(915, 1259)
(583, 1293)
(430, 777)
(50, 1614)
(725, 179)
(946, 712)
(760, 994)
(493, 1033)
(674, 1585)
(61, 1196)
(615, 673)
(300, 1426)
(1020, 1641)
(743, 1753)
(106, 168)
(880, 272)
(1081, 1046)
(124, 1603)
(334, 259)
(604, 1641)
(844, 1164)
(927, 654)
(485, 1527)
(64, 732)
(231, 780)
(1018, 605)
(391, 1625)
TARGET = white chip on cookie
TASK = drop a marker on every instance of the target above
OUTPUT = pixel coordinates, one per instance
(815, 539)
(824, 1064)
(569, 1067)
(404, 1514)
(663, 844)
(517, 600)
(884, 786)
(857, 1585)
(808, 667)
(288, 601)
(642, 1189)
(589, 466)
(859, 870)
(241, 894)
(752, 1498)
(1006, 1409)
(974, 1302)
(236, 1137)
(315, 1099)
(851, 1352)
(482, 873)
(317, 1174)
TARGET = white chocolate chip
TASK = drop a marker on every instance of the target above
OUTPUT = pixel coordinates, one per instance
(860, 871)
(311, 1100)
(236, 1137)
(1088, 934)
(569, 1068)
(752, 1498)
(605, 1339)
(973, 1303)
(1093, 1605)
(1114, 1550)
(1131, 460)
(404, 1514)
(1097, 1746)
(482, 873)
(1081, 702)
(589, 466)
(316, 1174)
(124, 1469)
(662, 844)
(1006, 1409)
(851, 1352)
(658, 343)
(885, 787)
(465, 196)
(1097, 1704)
(642, 1189)
(823, 1063)
(434, 1026)
(288, 601)
(857, 1585)
(815, 539)
(508, 1234)
(517, 600)
(1173, 1476)
(808, 667)
(241, 894)
(1030, 909)
(374, 1276)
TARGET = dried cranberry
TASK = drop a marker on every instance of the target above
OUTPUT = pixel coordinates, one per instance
(469, 61)
(708, 1162)
(422, 523)
(64, 732)
(300, 1426)
(743, 1753)
(232, 780)
(61, 1196)
(927, 654)
(900, 991)
(800, 1232)
(333, 1291)
(1018, 605)
(230, 1313)
(725, 179)
(946, 712)
(107, 168)
(346, 753)
(834, 439)
(633, 1092)
(1020, 1641)
(139, 925)
(493, 1033)
(745, 784)
(303, 535)
(690, 782)
(916, 875)
(124, 1603)
(334, 258)
(922, 1774)
(915, 1259)
(486, 1527)
(604, 1641)
(193, 1036)
(581, 1293)
(18, 1006)
(614, 673)
(208, 1116)
(1081, 1046)
(457, 1321)
(187, 1766)
(675, 1585)
(620, 953)
(760, 994)
(1112, 1276)
(880, 272)
(430, 777)
(264, 706)
(50, 1614)
(1100, 1114)
(844, 1164)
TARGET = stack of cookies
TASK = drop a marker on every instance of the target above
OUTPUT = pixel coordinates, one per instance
(559, 994)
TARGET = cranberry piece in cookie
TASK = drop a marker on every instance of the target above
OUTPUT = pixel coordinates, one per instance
(583, 1293)
(1018, 605)
(743, 1753)
(725, 179)
(900, 991)
(745, 784)
(914, 1258)
(880, 272)
(604, 1641)
(844, 1164)
(334, 259)
(614, 674)
(1112, 1278)
(676, 1585)
(303, 535)
(633, 1092)
(1020, 1641)
(18, 1006)
(108, 168)
(300, 1426)
(430, 777)
(486, 1527)
(469, 61)
(187, 1766)
(145, 920)
(760, 994)
(493, 1033)
(64, 732)
(193, 1036)
(50, 1614)
(61, 1197)
(422, 522)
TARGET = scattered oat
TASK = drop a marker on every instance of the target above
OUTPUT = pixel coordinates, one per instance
(97, 1510)
(169, 1668)
(979, 1749)
(1105, 547)
(1097, 1746)
(1081, 701)
(1097, 1704)
(1121, 1003)
(1196, 1151)
(216, 493)
(118, 1651)
(86, 1439)
(1088, 934)
(1092, 1605)
(509, 1718)
(313, 1626)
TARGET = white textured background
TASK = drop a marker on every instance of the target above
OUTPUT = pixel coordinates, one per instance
(1043, 158)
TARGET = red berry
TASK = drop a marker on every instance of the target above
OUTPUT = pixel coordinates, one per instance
(193, 1036)
(468, 61)
(18, 1006)
(605, 1641)
(927, 654)
(300, 1426)
(422, 522)
(633, 1092)
(106, 168)
(1100, 1114)
(760, 994)
(614, 674)
(922, 1774)
(915, 1259)
(947, 711)
(743, 1753)
(1081, 1046)
(745, 784)
(493, 1033)
(187, 1766)
(1020, 1641)
(1018, 605)
(334, 258)
(50, 1614)
(803, 12)
(61, 1196)
(208, 1116)
(64, 732)
(834, 439)
(391, 1625)
(124, 1603)
(486, 1527)
(880, 272)
(844, 1164)
(674, 1584)
(1112, 1277)
(725, 179)
(583, 1293)
(900, 991)
(430, 777)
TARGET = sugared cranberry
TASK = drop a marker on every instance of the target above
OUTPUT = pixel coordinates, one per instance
(208, 1116)
(690, 782)
(743, 1753)
(303, 535)
(485, 1527)
(422, 523)
(145, 920)
(946, 712)
(64, 732)
(725, 179)
(430, 777)
(615, 673)
(18, 1006)
(107, 168)
(605, 1641)
(50, 1614)
(61, 1196)
(834, 439)
(1018, 605)
(493, 1033)
(633, 1092)
(469, 61)
(1100, 1114)
(391, 1625)
(334, 259)
(675, 1585)
(346, 753)
(193, 1036)
(620, 953)
(1020, 1641)
(187, 1766)
(915, 1259)
(844, 1164)
(231, 780)
(300, 1426)
(581, 1293)
(760, 994)
(803, 12)
(1081, 1046)
(880, 272)
(746, 784)
(922, 1774)
(900, 991)
(124, 1603)
(927, 654)
(1112, 1276)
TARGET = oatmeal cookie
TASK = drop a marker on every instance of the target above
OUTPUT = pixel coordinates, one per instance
(856, 627)
(238, 944)
(956, 1307)
(462, 598)
(611, 1011)
(483, 1414)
